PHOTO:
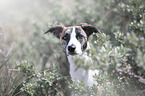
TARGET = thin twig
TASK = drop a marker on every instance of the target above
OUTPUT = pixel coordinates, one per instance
(14, 69)
(59, 91)
(17, 93)
(109, 11)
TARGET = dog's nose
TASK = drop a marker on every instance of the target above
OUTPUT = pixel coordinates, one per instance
(71, 48)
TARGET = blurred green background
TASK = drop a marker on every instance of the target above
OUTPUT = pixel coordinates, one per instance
(31, 61)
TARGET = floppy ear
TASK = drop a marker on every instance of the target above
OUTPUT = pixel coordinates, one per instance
(89, 29)
(56, 30)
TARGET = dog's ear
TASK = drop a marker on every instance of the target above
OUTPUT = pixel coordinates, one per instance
(89, 29)
(56, 30)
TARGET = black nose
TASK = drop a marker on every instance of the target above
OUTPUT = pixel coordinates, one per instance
(71, 48)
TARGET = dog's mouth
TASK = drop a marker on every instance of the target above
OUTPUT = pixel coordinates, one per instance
(72, 53)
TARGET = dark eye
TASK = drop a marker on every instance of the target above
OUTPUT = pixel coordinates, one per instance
(65, 37)
(79, 36)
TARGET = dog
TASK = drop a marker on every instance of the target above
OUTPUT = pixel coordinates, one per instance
(74, 41)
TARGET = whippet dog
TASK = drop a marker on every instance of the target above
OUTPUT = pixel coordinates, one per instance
(74, 41)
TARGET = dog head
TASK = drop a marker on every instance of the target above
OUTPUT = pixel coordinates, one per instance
(74, 38)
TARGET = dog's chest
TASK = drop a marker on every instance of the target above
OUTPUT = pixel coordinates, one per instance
(80, 74)
(76, 72)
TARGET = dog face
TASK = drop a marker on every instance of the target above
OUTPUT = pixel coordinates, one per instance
(74, 38)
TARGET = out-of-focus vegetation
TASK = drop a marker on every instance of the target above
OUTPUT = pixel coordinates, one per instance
(30, 61)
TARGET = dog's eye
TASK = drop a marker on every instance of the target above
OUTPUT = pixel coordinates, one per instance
(65, 37)
(79, 36)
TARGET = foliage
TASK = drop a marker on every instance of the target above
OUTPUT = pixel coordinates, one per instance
(42, 83)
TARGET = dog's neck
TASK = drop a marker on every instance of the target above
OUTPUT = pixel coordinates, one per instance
(80, 74)
(76, 72)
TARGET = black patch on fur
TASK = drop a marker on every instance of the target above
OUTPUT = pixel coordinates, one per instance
(89, 29)
(56, 30)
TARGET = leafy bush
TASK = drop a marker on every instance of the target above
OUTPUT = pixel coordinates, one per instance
(41, 83)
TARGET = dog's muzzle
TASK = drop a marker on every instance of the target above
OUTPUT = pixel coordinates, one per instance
(71, 48)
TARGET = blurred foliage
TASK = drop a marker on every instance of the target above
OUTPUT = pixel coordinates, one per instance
(39, 83)
(31, 62)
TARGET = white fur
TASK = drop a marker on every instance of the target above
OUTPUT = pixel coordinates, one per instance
(74, 41)
(80, 74)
